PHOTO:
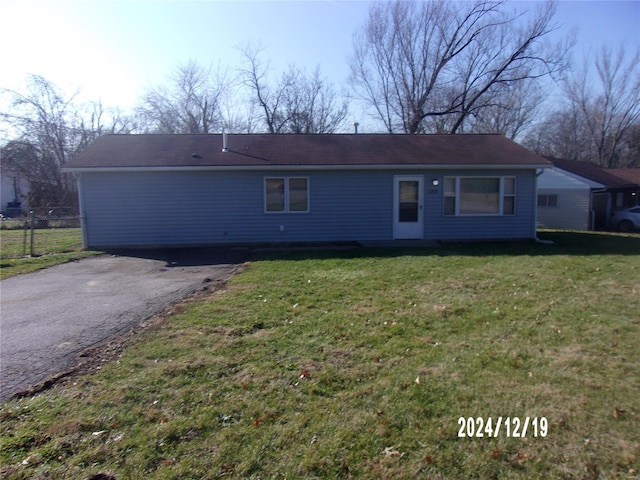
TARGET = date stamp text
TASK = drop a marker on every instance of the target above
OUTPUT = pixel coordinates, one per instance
(510, 427)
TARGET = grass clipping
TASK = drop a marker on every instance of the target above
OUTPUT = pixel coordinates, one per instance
(362, 364)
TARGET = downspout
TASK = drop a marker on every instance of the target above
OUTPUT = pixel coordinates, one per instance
(535, 211)
(592, 227)
(83, 223)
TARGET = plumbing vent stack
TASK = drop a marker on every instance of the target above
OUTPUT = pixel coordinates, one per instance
(224, 142)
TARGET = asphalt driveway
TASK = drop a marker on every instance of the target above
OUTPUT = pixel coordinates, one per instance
(48, 318)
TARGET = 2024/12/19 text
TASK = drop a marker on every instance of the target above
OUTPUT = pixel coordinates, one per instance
(513, 427)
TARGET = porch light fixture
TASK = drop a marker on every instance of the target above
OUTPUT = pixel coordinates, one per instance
(435, 182)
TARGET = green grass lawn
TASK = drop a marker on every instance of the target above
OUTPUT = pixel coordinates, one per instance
(51, 247)
(359, 364)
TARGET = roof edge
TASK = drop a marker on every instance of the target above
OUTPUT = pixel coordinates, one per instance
(228, 168)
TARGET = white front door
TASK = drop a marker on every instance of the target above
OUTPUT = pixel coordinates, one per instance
(408, 197)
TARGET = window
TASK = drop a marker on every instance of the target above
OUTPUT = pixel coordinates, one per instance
(479, 195)
(509, 196)
(450, 195)
(286, 194)
(545, 200)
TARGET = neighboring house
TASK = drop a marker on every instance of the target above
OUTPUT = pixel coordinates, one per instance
(14, 192)
(172, 190)
(565, 200)
(583, 196)
(629, 194)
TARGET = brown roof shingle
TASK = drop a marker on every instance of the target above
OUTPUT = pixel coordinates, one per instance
(127, 151)
(609, 177)
(629, 175)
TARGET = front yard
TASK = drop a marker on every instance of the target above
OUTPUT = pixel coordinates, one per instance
(360, 364)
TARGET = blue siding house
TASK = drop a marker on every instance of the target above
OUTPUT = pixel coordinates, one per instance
(179, 190)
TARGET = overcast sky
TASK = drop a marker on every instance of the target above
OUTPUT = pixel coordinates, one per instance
(112, 50)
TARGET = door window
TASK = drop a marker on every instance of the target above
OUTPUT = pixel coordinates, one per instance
(408, 195)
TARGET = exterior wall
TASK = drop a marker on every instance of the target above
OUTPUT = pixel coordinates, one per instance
(223, 207)
(574, 200)
(572, 212)
(518, 226)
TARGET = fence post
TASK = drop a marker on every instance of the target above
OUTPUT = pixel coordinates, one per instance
(24, 238)
(33, 221)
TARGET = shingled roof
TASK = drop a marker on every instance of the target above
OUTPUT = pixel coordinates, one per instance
(609, 177)
(178, 151)
(629, 175)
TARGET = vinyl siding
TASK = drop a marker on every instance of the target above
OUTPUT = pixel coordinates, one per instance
(209, 207)
(574, 192)
(518, 226)
(572, 212)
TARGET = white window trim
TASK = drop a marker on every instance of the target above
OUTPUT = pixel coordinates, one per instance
(501, 196)
(286, 195)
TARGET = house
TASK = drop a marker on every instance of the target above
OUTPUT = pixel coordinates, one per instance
(14, 192)
(565, 200)
(628, 194)
(583, 196)
(177, 190)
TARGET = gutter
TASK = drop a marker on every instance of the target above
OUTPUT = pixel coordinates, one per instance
(229, 168)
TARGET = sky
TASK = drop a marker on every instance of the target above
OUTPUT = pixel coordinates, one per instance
(112, 50)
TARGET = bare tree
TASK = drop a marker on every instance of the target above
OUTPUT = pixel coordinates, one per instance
(298, 103)
(96, 120)
(610, 106)
(632, 151)
(254, 76)
(562, 134)
(510, 109)
(189, 103)
(419, 61)
(600, 122)
(48, 129)
(240, 116)
(311, 104)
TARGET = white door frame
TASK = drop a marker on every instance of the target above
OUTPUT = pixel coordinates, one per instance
(404, 229)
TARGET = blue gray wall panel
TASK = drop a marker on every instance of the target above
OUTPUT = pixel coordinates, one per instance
(572, 211)
(520, 225)
(213, 207)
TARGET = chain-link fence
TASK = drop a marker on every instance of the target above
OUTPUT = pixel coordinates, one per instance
(41, 231)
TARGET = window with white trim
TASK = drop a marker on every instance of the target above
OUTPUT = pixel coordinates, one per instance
(286, 194)
(479, 196)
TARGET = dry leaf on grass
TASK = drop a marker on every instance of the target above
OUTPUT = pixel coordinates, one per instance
(617, 413)
(392, 452)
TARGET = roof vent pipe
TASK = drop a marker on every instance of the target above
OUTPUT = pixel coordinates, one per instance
(224, 142)
(355, 126)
